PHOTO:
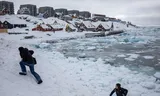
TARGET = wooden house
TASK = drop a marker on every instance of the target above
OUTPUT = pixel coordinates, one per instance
(86, 26)
(42, 27)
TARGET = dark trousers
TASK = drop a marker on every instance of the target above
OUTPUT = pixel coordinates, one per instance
(31, 67)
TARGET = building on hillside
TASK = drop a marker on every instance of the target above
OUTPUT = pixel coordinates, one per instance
(66, 18)
(56, 27)
(9, 24)
(23, 10)
(42, 27)
(2, 28)
(86, 26)
(62, 11)
(6, 7)
(102, 27)
(98, 17)
(85, 14)
(46, 11)
(70, 28)
(32, 9)
(2, 25)
(73, 13)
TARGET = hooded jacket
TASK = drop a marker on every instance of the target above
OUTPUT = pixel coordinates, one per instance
(26, 55)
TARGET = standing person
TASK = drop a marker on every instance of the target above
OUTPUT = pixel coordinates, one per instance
(28, 60)
(119, 90)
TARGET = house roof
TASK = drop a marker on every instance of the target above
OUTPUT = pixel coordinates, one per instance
(13, 19)
(44, 26)
(88, 24)
(105, 25)
(56, 26)
(71, 26)
(51, 20)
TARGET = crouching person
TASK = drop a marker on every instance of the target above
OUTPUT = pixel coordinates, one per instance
(119, 90)
(28, 60)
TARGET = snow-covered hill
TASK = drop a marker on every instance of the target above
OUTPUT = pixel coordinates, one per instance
(32, 22)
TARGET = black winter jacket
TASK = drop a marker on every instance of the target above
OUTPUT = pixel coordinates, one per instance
(120, 92)
(27, 56)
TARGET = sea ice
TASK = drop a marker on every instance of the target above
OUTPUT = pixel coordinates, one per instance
(148, 57)
(157, 74)
(132, 57)
(148, 85)
(121, 55)
(44, 45)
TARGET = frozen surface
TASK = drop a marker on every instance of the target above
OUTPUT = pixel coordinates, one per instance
(148, 57)
(157, 74)
(68, 76)
(122, 55)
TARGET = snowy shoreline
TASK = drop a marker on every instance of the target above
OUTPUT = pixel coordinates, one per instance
(66, 76)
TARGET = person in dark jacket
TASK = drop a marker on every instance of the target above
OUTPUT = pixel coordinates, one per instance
(28, 60)
(119, 90)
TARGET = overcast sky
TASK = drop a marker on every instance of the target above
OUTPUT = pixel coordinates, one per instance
(140, 12)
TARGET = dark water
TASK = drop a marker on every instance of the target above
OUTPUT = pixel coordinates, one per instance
(141, 43)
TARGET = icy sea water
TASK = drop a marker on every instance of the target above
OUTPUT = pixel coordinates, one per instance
(136, 49)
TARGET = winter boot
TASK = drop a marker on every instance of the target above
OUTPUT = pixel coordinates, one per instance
(22, 73)
(39, 82)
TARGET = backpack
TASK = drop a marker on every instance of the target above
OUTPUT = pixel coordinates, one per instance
(34, 61)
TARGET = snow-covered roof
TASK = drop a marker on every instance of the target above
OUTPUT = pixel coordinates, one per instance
(13, 19)
(88, 24)
(57, 26)
(119, 26)
(31, 19)
(58, 13)
(104, 24)
(48, 21)
(51, 20)
(67, 16)
(44, 26)
(71, 26)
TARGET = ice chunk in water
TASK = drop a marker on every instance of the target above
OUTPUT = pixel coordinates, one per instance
(148, 57)
(91, 48)
(44, 45)
(83, 55)
(132, 57)
(132, 40)
(158, 89)
(146, 68)
(129, 59)
(122, 55)
(157, 74)
(149, 85)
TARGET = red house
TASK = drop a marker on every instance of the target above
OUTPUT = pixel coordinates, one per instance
(1, 25)
(42, 27)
